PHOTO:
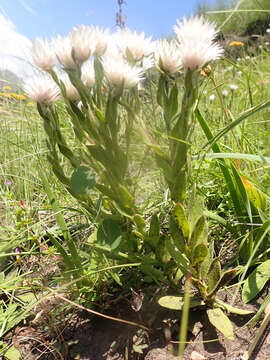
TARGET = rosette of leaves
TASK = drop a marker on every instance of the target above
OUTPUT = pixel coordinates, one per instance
(189, 246)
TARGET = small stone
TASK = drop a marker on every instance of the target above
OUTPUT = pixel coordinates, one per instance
(196, 356)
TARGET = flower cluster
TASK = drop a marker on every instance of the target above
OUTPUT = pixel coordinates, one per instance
(125, 56)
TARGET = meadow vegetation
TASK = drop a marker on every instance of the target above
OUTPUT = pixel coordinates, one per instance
(108, 199)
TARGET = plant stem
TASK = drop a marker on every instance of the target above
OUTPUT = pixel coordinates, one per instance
(185, 315)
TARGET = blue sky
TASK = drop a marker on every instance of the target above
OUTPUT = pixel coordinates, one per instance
(47, 18)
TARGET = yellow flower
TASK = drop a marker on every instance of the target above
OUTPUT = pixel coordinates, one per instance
(236, 43)
(30, 103)
(18, 96)
(6, 95)
(6, 87)
(206, 71)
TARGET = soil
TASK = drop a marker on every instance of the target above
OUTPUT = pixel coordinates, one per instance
(88, 337)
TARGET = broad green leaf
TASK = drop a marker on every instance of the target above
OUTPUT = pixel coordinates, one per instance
(221, 322)
(82, 180)
(232, 309)
(109, 234)
(177, 302)
(199, 254)
(213, 276)
(181, 220)
(256, 281)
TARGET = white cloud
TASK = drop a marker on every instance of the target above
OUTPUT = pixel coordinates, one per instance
(15, 49)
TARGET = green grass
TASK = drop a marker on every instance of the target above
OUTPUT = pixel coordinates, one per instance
(247, 16)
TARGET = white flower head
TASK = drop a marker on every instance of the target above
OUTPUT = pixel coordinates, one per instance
(41, 89)
(71, 92)
(196, 42)
(233, 87)
(99, 40)
(120, 73)
(80, 38)
(195, 55)
(168, 56)
(134, 45)
(212, 97)
(148, 63)
(43, 54)
(268, 31)
(225, 92)
(195, 28)
(88, 74)
(63, 50)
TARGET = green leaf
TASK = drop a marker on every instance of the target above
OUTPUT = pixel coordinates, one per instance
(12, 353)
(177, 302)
(232, 309)
(197, 232)
(181, 261)
(172, 107)
(222, 164)
(177, 236)
(199, 254)
(154, 231)
(126, 198)
(256, 281)
(213, 276)
(82, 180)
(109, 234)
(181, 220)
(161, 95)
(221, 322)
(140, 223)
(242, 191)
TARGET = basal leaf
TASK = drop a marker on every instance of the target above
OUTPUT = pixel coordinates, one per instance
(221, 322)
(177, 302)
(233, 309)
